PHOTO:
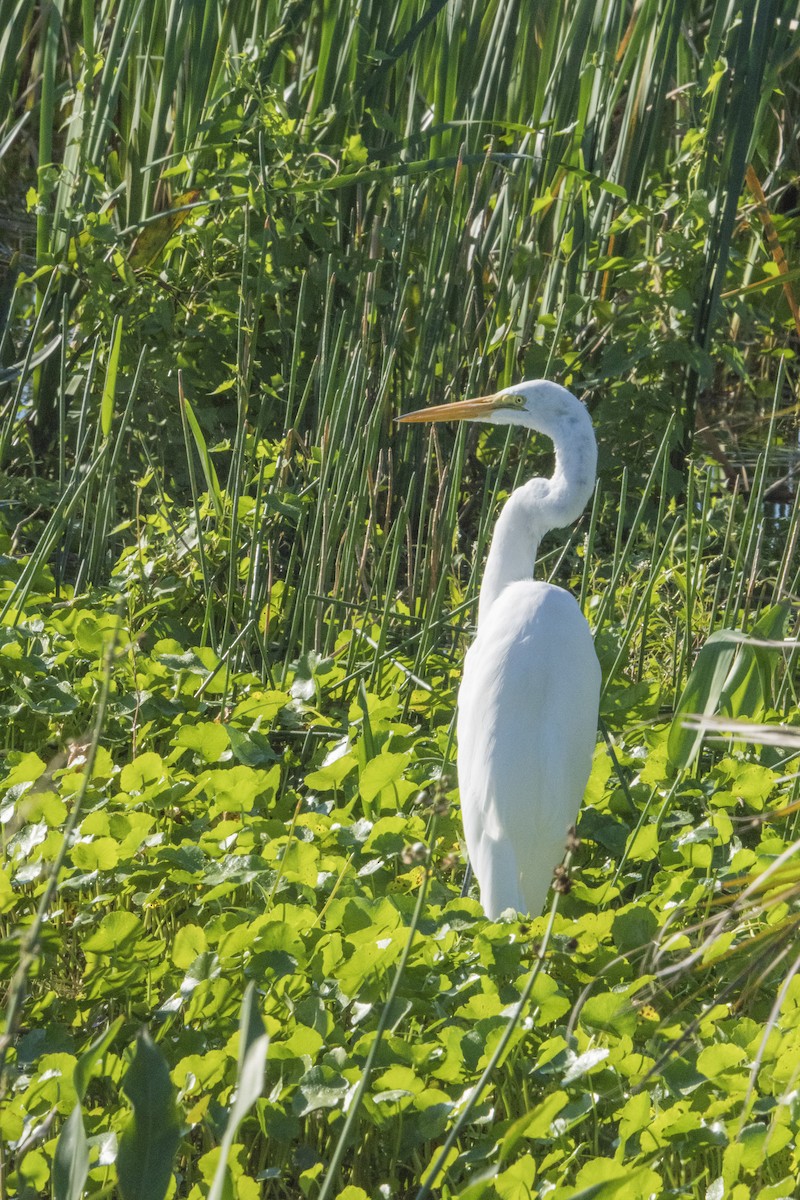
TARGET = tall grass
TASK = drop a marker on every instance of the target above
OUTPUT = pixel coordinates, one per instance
(462, 196)
(254, 234)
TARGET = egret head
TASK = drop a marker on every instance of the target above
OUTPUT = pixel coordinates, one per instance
(537, 404)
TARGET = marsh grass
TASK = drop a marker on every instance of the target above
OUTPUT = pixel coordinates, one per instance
(257, 233)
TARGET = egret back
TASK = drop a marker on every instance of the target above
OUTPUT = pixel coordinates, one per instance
(527, 727)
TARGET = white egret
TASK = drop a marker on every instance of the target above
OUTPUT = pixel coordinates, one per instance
(528, 702)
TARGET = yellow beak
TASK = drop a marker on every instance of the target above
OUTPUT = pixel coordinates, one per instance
(461, 410)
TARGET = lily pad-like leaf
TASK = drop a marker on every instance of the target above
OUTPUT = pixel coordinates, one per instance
(379, 772)
(604, 1179)
(533, 1124)
(115, 931)
(609, 1012)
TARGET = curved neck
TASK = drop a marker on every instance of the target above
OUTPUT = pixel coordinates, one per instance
(538, 506)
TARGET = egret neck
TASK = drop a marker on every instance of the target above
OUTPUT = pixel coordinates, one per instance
(541, 504)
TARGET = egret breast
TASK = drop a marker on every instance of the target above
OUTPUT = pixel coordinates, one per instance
(527, 727)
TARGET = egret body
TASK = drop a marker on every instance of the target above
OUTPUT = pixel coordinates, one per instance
(529, 697)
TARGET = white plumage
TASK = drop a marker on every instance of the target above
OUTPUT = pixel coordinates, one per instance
(527, 721)
(528, 701)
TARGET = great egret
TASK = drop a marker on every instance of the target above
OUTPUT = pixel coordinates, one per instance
(528, 702)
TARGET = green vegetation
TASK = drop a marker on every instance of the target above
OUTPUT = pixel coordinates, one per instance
(238, 240)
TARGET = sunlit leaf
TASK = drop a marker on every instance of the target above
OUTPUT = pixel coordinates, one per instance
(149, 243)
(110, 385)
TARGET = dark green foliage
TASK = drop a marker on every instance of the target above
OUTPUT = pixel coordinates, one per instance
(276, 835)
(234, 597)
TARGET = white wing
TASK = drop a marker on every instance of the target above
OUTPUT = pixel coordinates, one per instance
(527, 727)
